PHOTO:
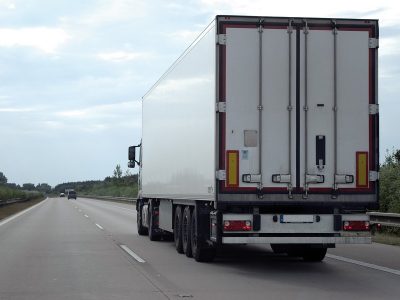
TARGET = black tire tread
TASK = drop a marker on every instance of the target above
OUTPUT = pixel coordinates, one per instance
(178, 229)
(186, 236)
(199, 252)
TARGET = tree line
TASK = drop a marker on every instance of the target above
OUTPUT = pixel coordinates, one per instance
(40, 187)
(118, 179)
(112, 184)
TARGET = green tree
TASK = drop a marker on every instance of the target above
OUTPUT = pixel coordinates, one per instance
(28, 186)
(44, 188)
(3, 178)
(118, 172)
(389, 194)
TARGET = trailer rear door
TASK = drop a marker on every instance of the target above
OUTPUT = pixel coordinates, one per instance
(301, 113)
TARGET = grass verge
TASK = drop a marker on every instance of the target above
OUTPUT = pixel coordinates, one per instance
(111, 190)
(11, 209)
(386, 238)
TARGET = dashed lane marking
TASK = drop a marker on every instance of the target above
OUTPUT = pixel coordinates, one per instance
(99, 226)
(133, 254)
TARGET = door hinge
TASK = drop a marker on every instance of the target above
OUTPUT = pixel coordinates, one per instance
(373, 175)
(220, 175)
(373, 109)
(220, 107)
(373, 43)
(221, 39)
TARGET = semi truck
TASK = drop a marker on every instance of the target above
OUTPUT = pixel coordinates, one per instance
(264, 131)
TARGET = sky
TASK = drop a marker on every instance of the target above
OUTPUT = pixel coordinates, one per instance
(72, 74)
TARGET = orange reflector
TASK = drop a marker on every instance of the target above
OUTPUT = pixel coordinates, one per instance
(362, 169)
(232, 168)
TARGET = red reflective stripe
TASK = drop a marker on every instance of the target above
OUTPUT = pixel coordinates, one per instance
(236, 225)
(356, 226)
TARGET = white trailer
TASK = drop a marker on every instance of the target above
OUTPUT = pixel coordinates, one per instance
(265, 130)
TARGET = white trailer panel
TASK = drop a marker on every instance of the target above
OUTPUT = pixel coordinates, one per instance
(178, 146)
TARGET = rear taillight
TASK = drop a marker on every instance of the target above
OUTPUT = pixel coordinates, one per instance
(237, 225)
(356, 226)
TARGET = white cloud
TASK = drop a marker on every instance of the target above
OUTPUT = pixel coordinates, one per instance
(389, 46)
(4, 99)
(10, 4)
(102, 111)
(73, 113)
(15, 109)
(53, 124)
(45, 39)
(115, 11)
(126, 115)
(186, 36)
(120, 56)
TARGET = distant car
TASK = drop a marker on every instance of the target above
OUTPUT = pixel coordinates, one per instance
(62, 195)
(71, 195)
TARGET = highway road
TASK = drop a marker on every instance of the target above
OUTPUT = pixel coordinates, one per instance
(89, 249)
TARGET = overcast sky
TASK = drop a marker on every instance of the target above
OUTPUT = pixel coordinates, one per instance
(72, 74)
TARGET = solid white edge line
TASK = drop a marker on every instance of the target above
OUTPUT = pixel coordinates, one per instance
(133, 254)
(99, 226)
(21, 213)
(364, 264)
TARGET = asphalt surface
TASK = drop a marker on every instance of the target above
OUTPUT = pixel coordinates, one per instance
(89, 249)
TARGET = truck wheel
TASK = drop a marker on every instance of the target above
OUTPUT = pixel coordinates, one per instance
(314, 255)
(186, 225)
(199, 251)
(141, 230)
(178, 229)
(153, 235)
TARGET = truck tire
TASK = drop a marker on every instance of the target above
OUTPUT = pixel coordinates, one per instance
(200, 252)
(186, 234)
(141, 230)
(153, 234)
(314, 254)
(178, 229)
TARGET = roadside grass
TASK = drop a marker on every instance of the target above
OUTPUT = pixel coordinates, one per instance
(388, 237)
(7, 193)
(11, 209)
(28, 199)
(112, 190)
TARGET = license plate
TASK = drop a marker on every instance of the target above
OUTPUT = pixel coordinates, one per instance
(297, 219)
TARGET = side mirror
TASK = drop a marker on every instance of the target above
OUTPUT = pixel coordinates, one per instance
(132, 156)
(132, 153)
